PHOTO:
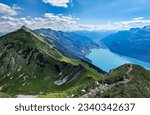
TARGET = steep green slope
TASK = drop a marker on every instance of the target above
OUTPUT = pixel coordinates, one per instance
(4, 95)
(127, 81)
(28, 65)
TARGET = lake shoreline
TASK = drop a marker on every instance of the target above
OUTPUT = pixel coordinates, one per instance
(107, 60)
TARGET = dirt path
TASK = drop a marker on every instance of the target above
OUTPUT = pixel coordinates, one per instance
(130, 69)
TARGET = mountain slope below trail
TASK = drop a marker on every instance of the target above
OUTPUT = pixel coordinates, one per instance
(29, 65)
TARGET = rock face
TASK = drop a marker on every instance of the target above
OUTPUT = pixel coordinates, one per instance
(28, 65)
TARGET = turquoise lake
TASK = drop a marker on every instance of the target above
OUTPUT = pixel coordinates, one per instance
(107, 60)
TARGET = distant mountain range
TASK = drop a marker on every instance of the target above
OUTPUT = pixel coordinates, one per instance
(132, 43)
(75, 44)
(70, 44)
(95, 36)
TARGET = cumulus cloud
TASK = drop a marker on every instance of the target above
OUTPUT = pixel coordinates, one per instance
(15, 7)
(61, 22)
(56, 22)
(121, 25)
(59, 17)
(8, 23)
(6, 10)
(66, 23)
(58, 3)
(136, 22)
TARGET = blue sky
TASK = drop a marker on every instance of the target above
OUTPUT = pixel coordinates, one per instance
(74, 14)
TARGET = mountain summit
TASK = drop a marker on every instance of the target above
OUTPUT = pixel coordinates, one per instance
(24, 27)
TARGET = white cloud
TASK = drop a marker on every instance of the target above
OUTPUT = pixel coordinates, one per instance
(136, 22)
(121, 25)
(56, 22)
(139, 18)
(15, 7)
(6, 10)
(58, 3)
(61, 22)
(8, 23)
(61, 18)
(66, 23)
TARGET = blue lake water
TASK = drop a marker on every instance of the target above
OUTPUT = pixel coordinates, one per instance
(107, 60)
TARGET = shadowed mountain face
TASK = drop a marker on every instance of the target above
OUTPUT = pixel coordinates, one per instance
(29, 65)
(71, 44)
(133, 43)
